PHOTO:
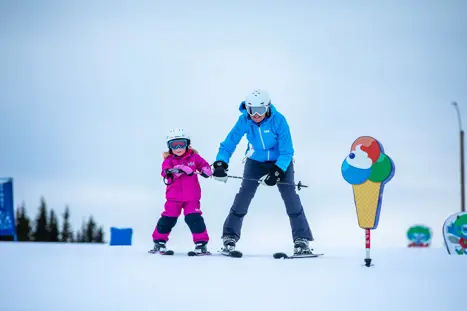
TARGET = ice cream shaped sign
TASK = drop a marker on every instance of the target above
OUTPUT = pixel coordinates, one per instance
(367, 168)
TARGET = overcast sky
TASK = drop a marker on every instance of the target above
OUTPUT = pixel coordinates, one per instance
(89, 89)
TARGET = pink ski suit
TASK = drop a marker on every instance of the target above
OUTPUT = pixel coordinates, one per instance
(184, 192)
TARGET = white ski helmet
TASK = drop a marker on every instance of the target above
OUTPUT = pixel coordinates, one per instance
(257, 101)
(177, 133)
(258, 98)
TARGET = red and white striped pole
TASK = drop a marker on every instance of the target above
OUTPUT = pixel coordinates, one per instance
(367, 247)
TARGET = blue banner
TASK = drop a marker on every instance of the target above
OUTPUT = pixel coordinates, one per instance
(7, 212)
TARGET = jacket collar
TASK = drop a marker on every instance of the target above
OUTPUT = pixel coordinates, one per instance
(188, 153)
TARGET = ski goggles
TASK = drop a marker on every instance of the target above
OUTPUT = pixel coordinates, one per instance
(178, 144)
(260, 111)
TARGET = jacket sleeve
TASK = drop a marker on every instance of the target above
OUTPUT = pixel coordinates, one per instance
(284, 141)
(166, 165)
(228, 146)
(200, 162)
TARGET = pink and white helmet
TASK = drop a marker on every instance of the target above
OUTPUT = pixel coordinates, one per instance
(177, 133)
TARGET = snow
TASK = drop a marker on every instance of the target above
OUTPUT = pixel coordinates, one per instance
(49, 276)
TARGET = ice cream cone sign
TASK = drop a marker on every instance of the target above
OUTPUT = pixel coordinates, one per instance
(367, 168)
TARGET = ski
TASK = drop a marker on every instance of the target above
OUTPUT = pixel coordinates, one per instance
(282, 255)
(193, 254)
(165, 253)
(234, 254)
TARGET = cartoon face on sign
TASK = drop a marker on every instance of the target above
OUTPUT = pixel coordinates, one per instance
(367, 168)
(455, 234)
(419, 236)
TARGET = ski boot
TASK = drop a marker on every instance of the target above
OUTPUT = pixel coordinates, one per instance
(229, 244)
(301, 250)
(160, 248)
(201, 249)
(301, 247)
(229, 248)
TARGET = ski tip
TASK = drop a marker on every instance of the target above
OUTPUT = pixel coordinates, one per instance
(280, 255)
(233, 254)
(236, 254)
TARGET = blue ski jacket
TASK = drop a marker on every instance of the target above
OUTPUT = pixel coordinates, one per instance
(269, 140)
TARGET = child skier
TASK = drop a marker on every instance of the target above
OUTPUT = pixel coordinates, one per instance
(183, 192)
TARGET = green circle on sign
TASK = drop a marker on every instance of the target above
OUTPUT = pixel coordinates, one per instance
(381, 169)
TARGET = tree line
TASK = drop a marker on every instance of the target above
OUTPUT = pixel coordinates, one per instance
(45, 227)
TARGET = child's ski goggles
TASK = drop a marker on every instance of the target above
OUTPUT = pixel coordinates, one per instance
(178, 144)
(256, 110)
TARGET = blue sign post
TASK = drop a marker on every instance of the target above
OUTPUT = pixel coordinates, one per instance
(7, 212)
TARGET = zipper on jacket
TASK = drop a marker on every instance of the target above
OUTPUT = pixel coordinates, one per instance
(262, 141)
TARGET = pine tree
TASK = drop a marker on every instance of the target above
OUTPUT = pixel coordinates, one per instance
(99, 237)
(78, 237)
(90, 230)
(23, 224)
(66, 235)
(72, 237)
(81, 236)
(52, 227)
(41, 233)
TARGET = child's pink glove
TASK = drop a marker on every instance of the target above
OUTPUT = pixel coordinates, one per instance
(185, 169)
(206, 172)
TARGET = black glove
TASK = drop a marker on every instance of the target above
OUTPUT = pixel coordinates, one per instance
(274, 175)
(169, 173)
(220, 171)
(169, 176)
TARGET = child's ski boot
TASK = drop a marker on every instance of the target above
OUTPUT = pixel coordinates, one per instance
(201, 249)
(160, 248)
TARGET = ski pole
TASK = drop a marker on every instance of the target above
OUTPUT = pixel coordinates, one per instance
(168, 181)
(299, 185)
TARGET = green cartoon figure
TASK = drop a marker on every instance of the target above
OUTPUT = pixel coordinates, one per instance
(456, 230)
(419, 236)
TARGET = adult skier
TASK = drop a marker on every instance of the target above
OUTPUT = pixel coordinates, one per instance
(269, 159)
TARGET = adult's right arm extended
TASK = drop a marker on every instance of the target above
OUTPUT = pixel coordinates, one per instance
(228, 146)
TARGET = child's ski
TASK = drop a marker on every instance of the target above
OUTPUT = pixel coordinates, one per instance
(193, 253)
(168, 252)
(282, 255)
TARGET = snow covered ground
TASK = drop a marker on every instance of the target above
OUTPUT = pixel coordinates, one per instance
(35, 276)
